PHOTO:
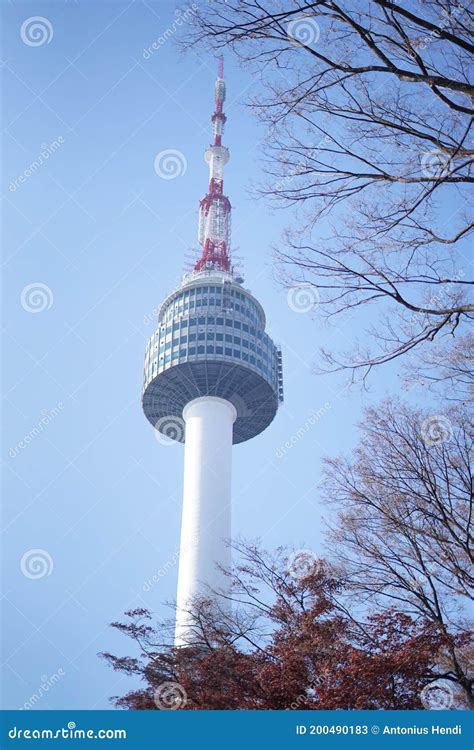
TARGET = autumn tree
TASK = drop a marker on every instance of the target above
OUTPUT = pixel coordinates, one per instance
(368, 113)
(404, 532)
(286, 645)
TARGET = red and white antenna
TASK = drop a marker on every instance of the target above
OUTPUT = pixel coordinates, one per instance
(215, 208)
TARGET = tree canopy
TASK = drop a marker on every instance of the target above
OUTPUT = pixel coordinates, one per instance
(288, 644)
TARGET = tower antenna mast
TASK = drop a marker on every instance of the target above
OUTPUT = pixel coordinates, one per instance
(215, 208)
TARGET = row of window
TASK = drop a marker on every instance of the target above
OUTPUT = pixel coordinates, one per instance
(211, 320)
(211, 302)
(198, 297)
(184, 324)
(199, 290)
(209, 336)
(209, 349)
(264, 349)
(262, 343)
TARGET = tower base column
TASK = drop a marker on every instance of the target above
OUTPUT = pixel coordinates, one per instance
(206, 520)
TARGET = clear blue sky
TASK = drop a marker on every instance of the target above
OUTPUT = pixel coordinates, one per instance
(108, 238)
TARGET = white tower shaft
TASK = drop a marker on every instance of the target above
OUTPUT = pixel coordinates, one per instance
(206, 520)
